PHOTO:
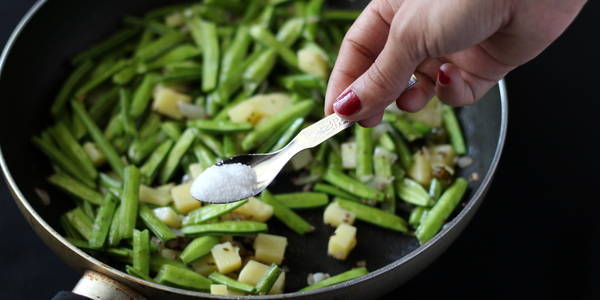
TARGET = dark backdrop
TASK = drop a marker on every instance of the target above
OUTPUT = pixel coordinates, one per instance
(536, 234)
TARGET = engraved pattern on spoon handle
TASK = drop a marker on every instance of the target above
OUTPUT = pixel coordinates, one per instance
(329, 126)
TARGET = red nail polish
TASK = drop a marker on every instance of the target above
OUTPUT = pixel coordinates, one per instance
(347, 103)
(443, 78)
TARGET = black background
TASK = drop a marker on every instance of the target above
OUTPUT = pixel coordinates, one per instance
(536, 235)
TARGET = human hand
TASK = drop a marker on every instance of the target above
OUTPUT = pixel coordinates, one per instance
(458, 49)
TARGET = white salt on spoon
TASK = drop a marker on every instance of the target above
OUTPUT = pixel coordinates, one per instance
(225, 183)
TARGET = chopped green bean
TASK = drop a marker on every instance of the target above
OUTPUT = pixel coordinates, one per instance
(69, 86)
(414, 218)
(137, 273)
(142, 148)
(62, 160)
(171, 129)
(159, 46)
(262, 35)
(149, 168)
(75, 188)
(66, 141)
(435, 189)
(219, 126)
(106, 45)
(141, 251)
(150, 126)
(204, 156)
(124, 100)
(348, 275)
(364, 153)
(81, 222)
(205, 35)
(374, 215)
(97, 80)
(231, 283)
(412, 192)
(181, 277)
(198, 248)
(129, 201)
(286, 215)
(102, 222)
(229, 146)
(382, 164)
(265, 283)
(211, 142)
(334, 191)
(454, 131)
(288, 134)
(162, 231)
(351, 185)
(210, 212)
(114, 234)
(142, 95)
(104, 104)
(227, 227)
(182, 145)
(312, 14)
(302, 200)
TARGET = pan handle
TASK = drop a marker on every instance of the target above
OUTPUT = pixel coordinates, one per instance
(94, 285)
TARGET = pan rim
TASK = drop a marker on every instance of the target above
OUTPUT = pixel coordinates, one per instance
(34, 217)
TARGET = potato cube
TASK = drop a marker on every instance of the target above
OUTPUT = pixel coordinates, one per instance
(348, 155)
(269, 248)
(195, 169)
(335, 215)
(184, 202)
(256, 210)
(156, 196)
(94, 153)
(166, 102)
(218, 289)
(168, 216)
(312, 60)
(301, 160)
(259, 108)
(342, 241)
(227, 257)
(421, 170)
(204, 265)
(253, 272)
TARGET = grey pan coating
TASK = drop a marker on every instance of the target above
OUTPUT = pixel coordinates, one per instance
(32, 67)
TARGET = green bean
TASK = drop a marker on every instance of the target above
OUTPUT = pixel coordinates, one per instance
(235, 53)
(198, 248)
(298, 81)
(212, 13)
(204, 34)
(406, 127)
(77, 128)
(402, 150)
(129, 201)
(182, 74)
(266, 17)
(312, 15)
(109, 152)
(288, 134)
(341, 15)
(266, 282)
(66, 141)
(124, 100)
(382, 164)
(227, 227)
(87, 209)
(346, 276)
(386, 141)
(453, 128)
(184, 278)
(268, 144)
(233, 81)
(114, 234)
(104, 104)
(160, 230)
(120, 143)
(264, 129)
(75, 188)
(137, 273)
(262, 35)
(335, 158)
(81, 222)
(219, 126)
(374, 215)
(351, 185)
(286, 215)
(364, 152)
(102, 222)
(231, 283)
(177, 54)
(414, 218)
(413, 193)
(116, 39)
(204, 156)
(334, 191)
(150, 126)
(302, 200)
(114, 127)
(141, 251)
(69, 230)
(229, 147)
(182, 145)
(142, 95)
(211, 142)
(171, 129)
(69, 86)
(97, 80)
(150, 25)
(210, 212)
(141, 148)
(145, 39)
(149, 168)
(124, 76)
(441, 210)
(435, 189)
(159, 46)
(157, 262)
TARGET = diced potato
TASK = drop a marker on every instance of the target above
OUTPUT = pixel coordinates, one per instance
(256, 210)
(227, 257)
(218, 289)
(166, 102)
(204, 265)
(302, 159)
(94, 153)
(431, 114)
(348, 155)
(195, 169)
(269, 248)
(335, 215)
(442, 156)
(169, 253)
(253, 272)
(342, 241)
(183, 200)
(157, 196)
(313, 60)
(257, 109)
(168, 216)
(421, 170)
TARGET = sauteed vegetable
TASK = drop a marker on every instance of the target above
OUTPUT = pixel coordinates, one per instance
(149, 108)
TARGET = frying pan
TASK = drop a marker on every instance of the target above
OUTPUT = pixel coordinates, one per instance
(35, 62)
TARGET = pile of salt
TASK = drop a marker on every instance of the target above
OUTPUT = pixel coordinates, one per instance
(225, 183)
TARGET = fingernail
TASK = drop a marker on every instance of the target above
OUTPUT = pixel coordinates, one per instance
(347, 103)
(443, 78)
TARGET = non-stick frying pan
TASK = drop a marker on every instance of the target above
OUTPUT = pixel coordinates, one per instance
(35, 62)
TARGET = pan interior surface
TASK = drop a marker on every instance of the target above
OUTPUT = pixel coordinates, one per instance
(37, 64)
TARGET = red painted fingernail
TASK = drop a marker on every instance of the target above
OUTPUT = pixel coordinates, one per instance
(347, 103)
(443, 78)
